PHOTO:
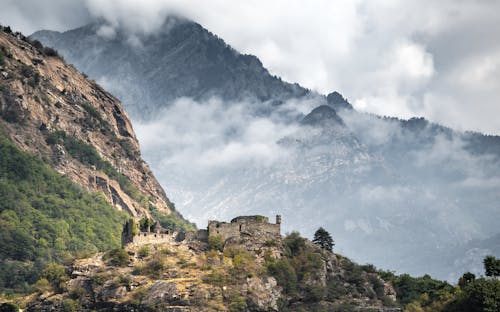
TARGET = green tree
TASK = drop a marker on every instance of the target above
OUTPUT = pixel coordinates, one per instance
(323, 239)
(491, 266)
(466, 279)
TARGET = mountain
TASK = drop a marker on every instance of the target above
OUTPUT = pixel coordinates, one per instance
(71, 169)
(182, 60)
(229, 138)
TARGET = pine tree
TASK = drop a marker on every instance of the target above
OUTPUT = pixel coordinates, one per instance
(323, 239)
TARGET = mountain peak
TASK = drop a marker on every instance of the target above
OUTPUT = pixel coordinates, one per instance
(321, 115)
(337, 101)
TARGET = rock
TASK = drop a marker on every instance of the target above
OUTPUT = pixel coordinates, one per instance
(113, 293)
(160, 293)
(263, 293)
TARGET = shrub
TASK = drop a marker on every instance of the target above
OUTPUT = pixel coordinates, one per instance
(8, 307)
(285, 274)
(153, 268)
(215, 278)
(144, 251)
(117, 257)
(294, 244)
(238, 304)
(70, 305)
(215, 242)
(56, 275)
(78, 292)
(50, 52)
(27, 71)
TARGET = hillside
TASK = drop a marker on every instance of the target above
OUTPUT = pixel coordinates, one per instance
(254, 270)
(51, 110)
(71, 169)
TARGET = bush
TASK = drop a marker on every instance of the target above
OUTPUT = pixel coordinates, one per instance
(55, 275)
(153, 268)
(50, 52)
(238, 304)
(118, 257)
(144, 251)
(8, 307)
(70, 305)
(285, 274)
(215, 242)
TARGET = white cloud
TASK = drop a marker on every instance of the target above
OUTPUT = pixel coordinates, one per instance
(437, 59)
(214, 133)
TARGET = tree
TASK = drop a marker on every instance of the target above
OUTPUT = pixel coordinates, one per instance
(491, 266)
(323, 239)
(466, 279)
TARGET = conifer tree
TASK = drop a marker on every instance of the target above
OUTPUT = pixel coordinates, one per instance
(323, 239)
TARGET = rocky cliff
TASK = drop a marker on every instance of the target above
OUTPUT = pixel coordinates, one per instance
(53, 111)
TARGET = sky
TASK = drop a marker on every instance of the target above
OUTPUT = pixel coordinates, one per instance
(436, 59)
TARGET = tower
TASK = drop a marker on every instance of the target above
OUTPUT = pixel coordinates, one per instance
(278, 219)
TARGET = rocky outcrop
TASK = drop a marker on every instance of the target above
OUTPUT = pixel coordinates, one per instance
(50, 109)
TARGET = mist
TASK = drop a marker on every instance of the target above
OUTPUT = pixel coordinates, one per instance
(382, 190)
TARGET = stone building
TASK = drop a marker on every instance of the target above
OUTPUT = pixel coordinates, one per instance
(132, 237)
(244, 228)
(255, 227)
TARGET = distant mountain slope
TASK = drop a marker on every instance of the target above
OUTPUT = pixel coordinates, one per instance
(182, 60)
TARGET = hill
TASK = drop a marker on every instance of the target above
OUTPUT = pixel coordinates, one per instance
(71, 168)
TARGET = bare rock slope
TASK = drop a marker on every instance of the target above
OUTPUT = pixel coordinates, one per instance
(51, 110)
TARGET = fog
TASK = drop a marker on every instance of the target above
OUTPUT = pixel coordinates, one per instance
(383, 191)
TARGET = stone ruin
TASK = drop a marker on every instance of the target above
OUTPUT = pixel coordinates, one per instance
(243, 228)
(133, 237)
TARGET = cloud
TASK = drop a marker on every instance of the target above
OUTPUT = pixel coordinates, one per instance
(437, 59)
(214, 133)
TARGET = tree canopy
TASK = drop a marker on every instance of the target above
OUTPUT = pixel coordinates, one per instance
(323, 239)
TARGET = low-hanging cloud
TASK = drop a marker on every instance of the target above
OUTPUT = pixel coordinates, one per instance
(437, 59)
(212, 133)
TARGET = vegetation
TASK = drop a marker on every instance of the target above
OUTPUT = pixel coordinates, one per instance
(87, 155)
(117, 257)
(46, 218)
(323, 239)
(2, 58)
(424, 294)
(492, 266)
(172, 221)
(215, 242)
(8, 307)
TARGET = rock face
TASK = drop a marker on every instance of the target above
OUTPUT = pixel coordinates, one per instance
(51, 110)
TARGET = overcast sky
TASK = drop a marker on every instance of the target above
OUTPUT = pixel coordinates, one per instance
(438, 59)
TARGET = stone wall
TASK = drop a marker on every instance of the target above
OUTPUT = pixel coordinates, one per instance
(147, 238)
(256, 227)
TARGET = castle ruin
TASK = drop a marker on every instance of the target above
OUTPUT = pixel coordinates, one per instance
(257, 228)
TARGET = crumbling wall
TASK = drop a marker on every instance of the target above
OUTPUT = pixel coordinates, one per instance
(257, 227)
(147, 238)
